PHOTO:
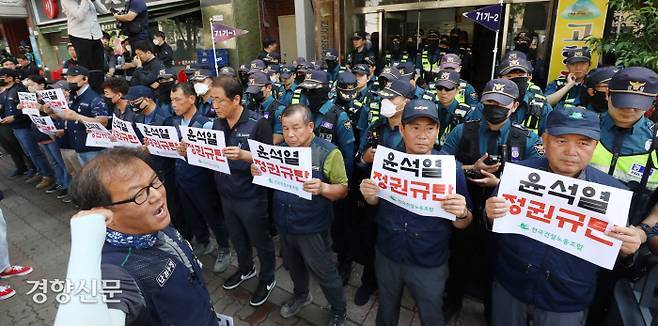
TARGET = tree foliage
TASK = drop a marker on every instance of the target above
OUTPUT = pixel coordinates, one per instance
(636, 44)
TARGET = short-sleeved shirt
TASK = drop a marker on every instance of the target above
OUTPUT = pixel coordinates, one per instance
(334, 168)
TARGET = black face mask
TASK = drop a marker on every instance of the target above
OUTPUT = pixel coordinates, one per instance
(454, 40)
(299, 78)
(258, 97)
(136, 107)
(433, 43)
(74, 87)
(3, 82)
(395, 47)
(316, 97)
(599, 102)
(495, 114)
(522, 84)
(522, 47)
(331, 65)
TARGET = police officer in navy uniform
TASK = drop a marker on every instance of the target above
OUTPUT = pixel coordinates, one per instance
(304, 225)
(359, 50)
(160, 280)
(370, 111)
(478, 144)
(532, 87)
(596, 98)
(244, 203)
(346, 94)
(198, 197)
(411, 249)
(333, 66)
(466, 94)
(558, 290)
(533, 107)
(85, 105)
(451, 112)
(396, 53)
(386, 132)
(288, 85)
(261, 97)
(570, 87)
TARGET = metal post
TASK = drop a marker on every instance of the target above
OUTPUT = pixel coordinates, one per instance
(495, 49)
(214, 52)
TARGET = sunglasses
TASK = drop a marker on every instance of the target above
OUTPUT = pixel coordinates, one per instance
(444, 89)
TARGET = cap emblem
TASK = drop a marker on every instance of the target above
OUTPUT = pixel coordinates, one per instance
(636, 86)
(445, 76)
(498, 87)
(576, 115)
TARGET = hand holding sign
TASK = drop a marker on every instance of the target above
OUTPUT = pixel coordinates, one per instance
(569, 214)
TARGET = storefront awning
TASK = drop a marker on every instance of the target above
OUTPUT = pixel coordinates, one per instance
(7, 11)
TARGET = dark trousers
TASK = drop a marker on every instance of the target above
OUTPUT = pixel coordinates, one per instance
(509, 311)
(10, 144)
(91, 56)
(366, 230)
(341, 232)
(426, 286)
(201, 208)
(304, 254)
(248, 223)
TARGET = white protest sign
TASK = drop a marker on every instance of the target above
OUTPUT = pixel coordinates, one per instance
(124, 133)
(283, 168)
(205, 148)
(565, 213)
(98, 135)
(160, 140)
(417, 183)
(44, 124)
(55, 98)
(29, 103)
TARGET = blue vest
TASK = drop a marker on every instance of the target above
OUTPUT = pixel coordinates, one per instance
(412, 239)
(547, 277)
(181, 298)
(83, 104)
(190, 176)
(239, 183)
(296, 215)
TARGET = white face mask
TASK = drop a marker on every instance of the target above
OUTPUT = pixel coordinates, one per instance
(388, 108)
(200, 89)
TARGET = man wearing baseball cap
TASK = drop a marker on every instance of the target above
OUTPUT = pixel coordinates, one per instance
(596, 97)
(333, 66)
(559, 290)
(466, 93)
(359, 50)
(571, 86)
(451, 111)
(85, 105)
(626, 150)
(533, 108)
(288, 85)
(412, 250)
(260, 97)
(201, 80)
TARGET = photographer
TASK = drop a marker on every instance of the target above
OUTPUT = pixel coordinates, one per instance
(133, 21)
